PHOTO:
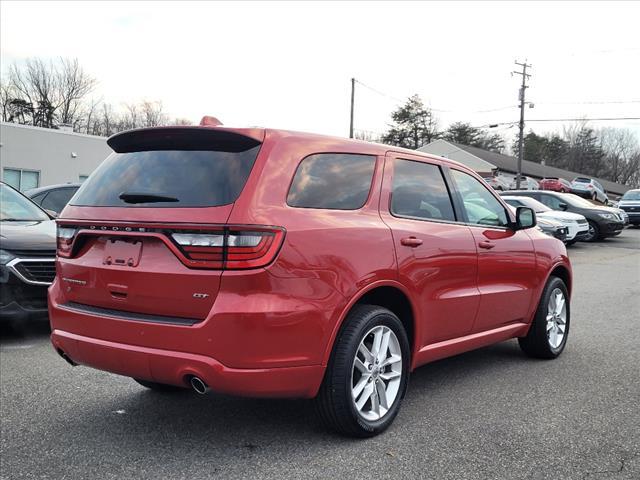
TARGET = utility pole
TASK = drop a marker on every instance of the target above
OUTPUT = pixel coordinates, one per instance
(353, 92)
(523, 87)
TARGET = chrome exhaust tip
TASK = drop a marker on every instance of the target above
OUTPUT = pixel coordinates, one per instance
(198, 385)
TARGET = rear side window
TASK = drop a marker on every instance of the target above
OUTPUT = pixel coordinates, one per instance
(186, 178)
(419, 191)
(338, 181)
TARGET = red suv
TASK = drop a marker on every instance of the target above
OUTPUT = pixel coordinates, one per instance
(555, 184)
(270, 263)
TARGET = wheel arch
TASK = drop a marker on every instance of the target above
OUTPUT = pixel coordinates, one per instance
(388, 294)
(563, 273)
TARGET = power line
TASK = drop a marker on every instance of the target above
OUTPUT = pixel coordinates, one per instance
(589, 103)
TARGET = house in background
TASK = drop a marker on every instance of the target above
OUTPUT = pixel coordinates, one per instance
(32, 157)
(486, 163)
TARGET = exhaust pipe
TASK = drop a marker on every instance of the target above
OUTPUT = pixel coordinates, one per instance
(66, 358)
(198, 385)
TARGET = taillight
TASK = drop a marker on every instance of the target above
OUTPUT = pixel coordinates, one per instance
(233, 248)
(65, 236)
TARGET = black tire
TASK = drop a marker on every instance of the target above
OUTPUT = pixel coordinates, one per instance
(334, 402)
(593, 234)
(571, 242)
(537, 344)
(159, 387)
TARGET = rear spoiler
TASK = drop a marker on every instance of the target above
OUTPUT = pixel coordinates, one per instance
(187, 138)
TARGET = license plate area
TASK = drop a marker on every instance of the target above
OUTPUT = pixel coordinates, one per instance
(123, 253)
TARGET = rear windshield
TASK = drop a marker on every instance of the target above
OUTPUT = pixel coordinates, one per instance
(582, 180)
(184, 178)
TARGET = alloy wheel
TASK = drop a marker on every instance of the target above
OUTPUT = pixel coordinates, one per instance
(556, 318)
(376, 373)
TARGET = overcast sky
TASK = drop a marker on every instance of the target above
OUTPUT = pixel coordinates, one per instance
(288, 65)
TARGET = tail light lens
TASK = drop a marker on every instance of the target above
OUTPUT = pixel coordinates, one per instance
(234, 248)
(65, 236)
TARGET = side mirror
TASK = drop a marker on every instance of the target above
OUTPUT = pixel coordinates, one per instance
(562, 206)
(51, 213)
(525, 218)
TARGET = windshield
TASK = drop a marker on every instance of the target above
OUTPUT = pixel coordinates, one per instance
(14, 207)
(168, 178)
(529, 202)
(576, 201)
(631, 195)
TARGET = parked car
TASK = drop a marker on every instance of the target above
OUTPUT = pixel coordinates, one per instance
(555, 184)
(589, 188)
(577, 225)
(552, 228)
(603, 221)
(498, 182)
(27, 257)
(270, 263)
(54, 197)
(526, 183)
(630, 204)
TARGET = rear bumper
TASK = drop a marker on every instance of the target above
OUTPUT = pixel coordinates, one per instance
(175, 368)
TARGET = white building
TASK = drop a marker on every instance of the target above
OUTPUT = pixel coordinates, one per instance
(33, 157)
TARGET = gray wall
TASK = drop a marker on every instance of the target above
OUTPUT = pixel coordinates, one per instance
(50, 152)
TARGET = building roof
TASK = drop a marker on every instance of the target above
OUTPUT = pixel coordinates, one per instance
(507, 163)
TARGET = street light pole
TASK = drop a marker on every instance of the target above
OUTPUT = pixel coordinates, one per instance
(523, 88)
(353, 92)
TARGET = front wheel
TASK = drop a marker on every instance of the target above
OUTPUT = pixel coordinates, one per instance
(549, 330)
(367, 374)
(593, 232)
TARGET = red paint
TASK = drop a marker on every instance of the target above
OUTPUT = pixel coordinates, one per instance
(269, 330)
(555, 185)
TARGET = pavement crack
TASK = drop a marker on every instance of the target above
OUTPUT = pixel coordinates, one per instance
(622, 461)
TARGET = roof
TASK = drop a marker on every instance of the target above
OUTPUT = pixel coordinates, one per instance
(508, 163)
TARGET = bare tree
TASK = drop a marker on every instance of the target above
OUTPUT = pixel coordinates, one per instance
(73, 85)
(152, 114)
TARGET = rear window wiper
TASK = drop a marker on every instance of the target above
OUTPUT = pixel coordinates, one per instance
(143, 197)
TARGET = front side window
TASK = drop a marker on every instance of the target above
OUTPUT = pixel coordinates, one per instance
(337, 181)
(481, 207)
(419, 191)
(551, 201)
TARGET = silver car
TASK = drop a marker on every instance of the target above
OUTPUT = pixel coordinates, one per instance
(630, 204)
(589, 188)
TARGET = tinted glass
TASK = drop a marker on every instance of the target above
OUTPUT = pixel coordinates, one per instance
(14, 206)
(332, 180)
(481, 206)
(582, 180)
(38, 198)
(195, 178)
(56, 200)
(552, 201)
(419, 191)
(513, 202)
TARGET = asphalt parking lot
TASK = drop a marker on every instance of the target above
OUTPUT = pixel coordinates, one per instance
(492, 413)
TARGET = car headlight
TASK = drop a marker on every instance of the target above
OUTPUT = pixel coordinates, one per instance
(5, 257)
(608, 216)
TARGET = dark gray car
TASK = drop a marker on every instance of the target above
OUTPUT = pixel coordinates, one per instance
(53, 197)
(27, 256)
(603, 221)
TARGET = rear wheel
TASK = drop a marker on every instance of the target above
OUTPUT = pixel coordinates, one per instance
(159, 387)
(367, 374)
(548, 334)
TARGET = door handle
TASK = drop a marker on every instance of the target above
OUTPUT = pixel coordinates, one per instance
(486, 244)
(411, 242)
